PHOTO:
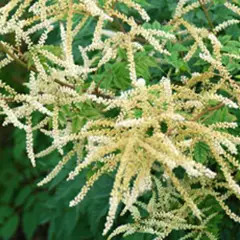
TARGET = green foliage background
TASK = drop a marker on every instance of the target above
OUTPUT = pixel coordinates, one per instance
(29, 212)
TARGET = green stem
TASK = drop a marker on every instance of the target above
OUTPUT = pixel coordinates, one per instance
(206, 14)
(23, 64)
(12, 55)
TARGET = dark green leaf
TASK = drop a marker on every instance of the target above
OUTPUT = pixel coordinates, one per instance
(9, 227)
(23, 194)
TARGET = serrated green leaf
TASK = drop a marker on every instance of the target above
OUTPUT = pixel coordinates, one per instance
(143, 64)
(77, 123)
(220, 115)
(201, 151)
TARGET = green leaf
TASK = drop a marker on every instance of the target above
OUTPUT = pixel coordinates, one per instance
(5, 212)
(143, 2)
(121, 77)
(29, 223)
(115, 76)
(82, 231)
(139, 236)
(97, 205)
(10, 227)
(219, 1)
(77, 123)
(56, 50)
(138, 113)
(177, 62)
(143, 64)
(70, 219)
(22, 195)
(28, 56)
(179, 48)
(220, 115)
(201, 151)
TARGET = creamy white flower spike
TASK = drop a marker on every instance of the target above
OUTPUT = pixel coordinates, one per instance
(168, 134)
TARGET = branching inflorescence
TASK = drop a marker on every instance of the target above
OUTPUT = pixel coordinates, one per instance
(157, 126)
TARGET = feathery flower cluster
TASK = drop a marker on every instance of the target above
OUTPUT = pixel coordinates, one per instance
(156, 127)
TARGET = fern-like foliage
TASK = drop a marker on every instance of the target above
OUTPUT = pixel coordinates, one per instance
(165, 212)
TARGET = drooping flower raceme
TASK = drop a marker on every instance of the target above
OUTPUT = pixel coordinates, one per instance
(143, 133)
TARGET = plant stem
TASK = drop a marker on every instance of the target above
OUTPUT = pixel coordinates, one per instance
(13, 56)
(199, 115)
(208, 110)
(206, 14)
(23, 64)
